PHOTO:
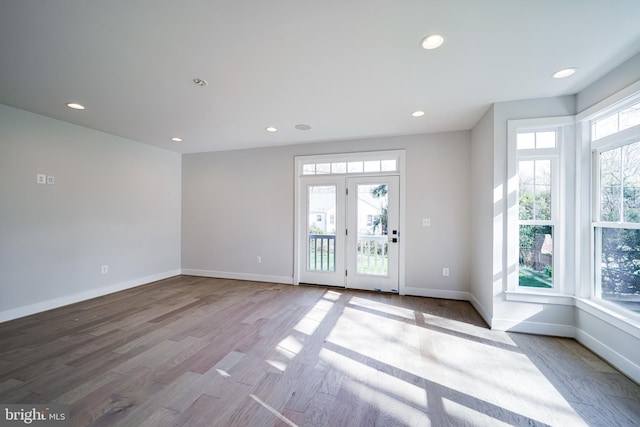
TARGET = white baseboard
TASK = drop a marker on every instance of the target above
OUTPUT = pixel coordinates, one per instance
(238, 276)
(537, 328)
(486, 316)
(30, 309)
(620, 362)
(437, 293)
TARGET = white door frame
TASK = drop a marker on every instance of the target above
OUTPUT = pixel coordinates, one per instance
(300, 211)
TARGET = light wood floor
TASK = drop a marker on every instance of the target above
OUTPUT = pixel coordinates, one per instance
(210, 352)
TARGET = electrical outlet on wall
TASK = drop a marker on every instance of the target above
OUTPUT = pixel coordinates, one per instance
(105, 269)
(51, 179)
(41, 178)
(445, 271)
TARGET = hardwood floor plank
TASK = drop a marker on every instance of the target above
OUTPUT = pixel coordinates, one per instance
(216, 352)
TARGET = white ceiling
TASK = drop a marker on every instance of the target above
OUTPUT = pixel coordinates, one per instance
(348, 68)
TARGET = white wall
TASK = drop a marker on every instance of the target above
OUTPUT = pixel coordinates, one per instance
(536, 317)
(240, 204)
(612, 82)
(115, 202)
(481, 184)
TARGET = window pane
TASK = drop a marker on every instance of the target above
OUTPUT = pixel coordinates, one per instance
(631, 182)
(309, 169)
(339, 167)
(372, 166)
(542, 190)
(323, 168)
(536, 256)
(620, 268)
(630, 117)
(372, 239)
(610, 185)
(526, 179)
(526, 141)
(354, 167)
(388, 165)
(546, 139)
(321, 227)
(605, 127)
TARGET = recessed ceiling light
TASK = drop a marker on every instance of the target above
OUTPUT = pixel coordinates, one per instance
(433, 41)
(75, 106)
(303, 126)
(417, 113)
(565, 72)
(176, 139)
(271, 129)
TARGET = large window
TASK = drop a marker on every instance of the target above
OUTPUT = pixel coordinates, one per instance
(537, 207)
(616, 205)
(537, 163)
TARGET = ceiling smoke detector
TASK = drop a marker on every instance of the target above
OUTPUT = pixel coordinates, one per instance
(200, 82)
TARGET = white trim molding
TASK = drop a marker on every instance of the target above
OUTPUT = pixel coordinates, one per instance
(30, 309)
(620, 362)
(538, 328)
(238, 276)
(437, 293)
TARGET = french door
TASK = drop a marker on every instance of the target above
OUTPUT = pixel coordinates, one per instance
(349, 236)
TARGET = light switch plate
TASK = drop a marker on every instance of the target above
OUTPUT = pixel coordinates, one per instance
(426, 222)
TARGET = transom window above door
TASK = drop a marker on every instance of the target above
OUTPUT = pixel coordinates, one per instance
(379, 162)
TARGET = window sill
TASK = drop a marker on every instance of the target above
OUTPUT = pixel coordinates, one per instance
(540, 297)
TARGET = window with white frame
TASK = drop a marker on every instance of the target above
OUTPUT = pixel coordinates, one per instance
(538, 153)
(615, 144)
(352, 166)
(537, 207)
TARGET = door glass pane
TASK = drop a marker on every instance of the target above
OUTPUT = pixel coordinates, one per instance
(372, 241)
(388, 165)
(536, 256)
(321, 214)
(354, 167)
(372, 166)
(340, 167)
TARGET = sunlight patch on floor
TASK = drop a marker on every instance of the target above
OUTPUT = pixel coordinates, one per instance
(466, 416)
(467, 328)
(482, 366)
(314, 317)
(400, 399)
(383, 308)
